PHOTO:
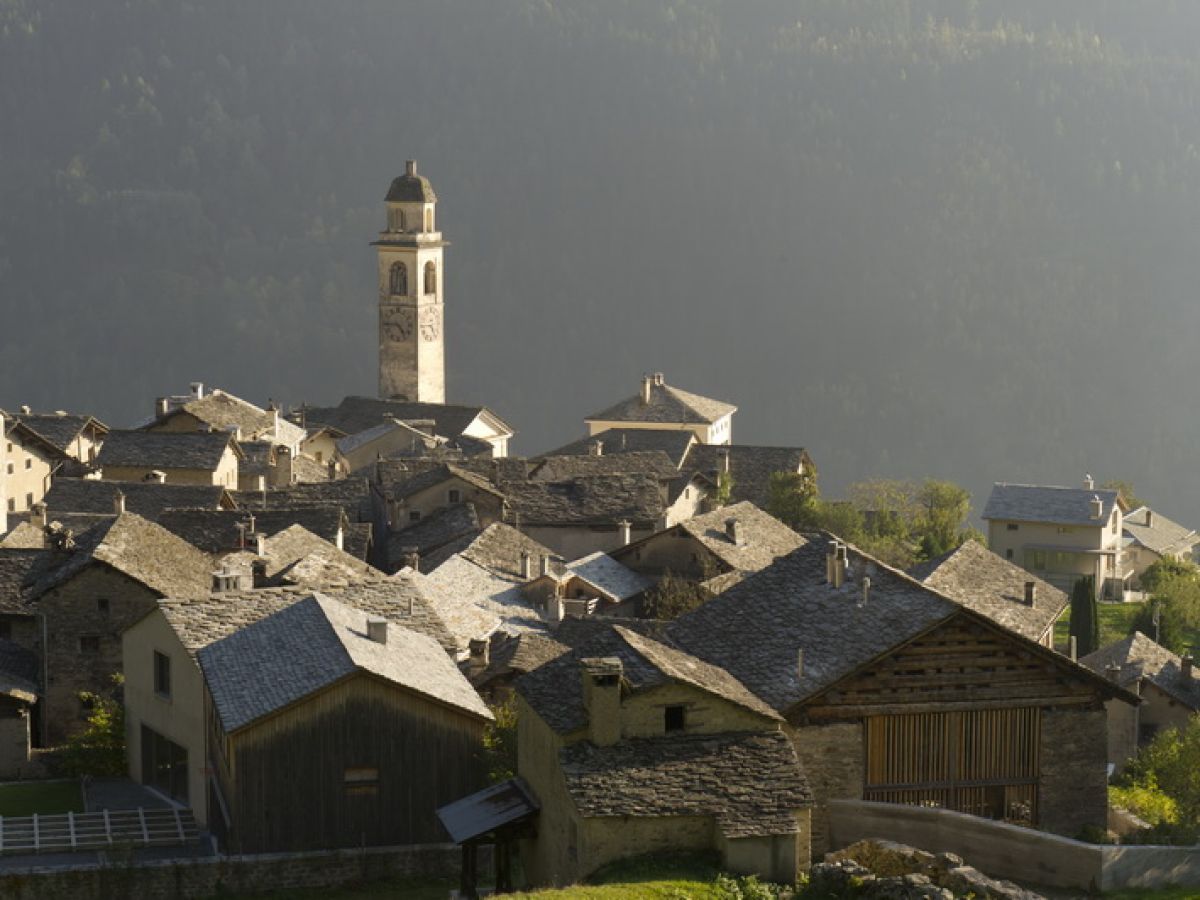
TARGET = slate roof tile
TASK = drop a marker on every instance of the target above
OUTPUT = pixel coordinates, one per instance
(1157, 533)
(667, 404)
(164, 449)
(675, 444)
(1140, 657)
(750, 467)
(1056, 505)
(146, 498)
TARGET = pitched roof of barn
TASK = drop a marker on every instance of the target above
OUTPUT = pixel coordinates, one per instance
(1141, 658)
(146, 498)
(165, 449)
(1157, 533)
(751, 783)
(312, 644)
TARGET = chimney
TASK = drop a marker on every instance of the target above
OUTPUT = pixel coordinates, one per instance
(260, 544)
(1112, 672)
(158, 476)
(646, 382)
(602, 698)
(1097, 506)
(412, 557)
(840, 563)
(197, 390)
(410, 167)
(377, 629)
(866, 590)
(26, 410)
(1030, 592)
(830, 560)
(480, 656)
(800, 663)
(526, 568)
(625, 530)
(1073, 648)
(597, 448)
(733, 531)
(544, 564)
(724, 451)
(285, 472)
(1185, 666)
(339, 539)
(658, 379)
(332, 467)
(555, 610)
(1149, 517)
(162, 406)
(37, 515)
(118, 502)
(1089, 483)
(258, 572)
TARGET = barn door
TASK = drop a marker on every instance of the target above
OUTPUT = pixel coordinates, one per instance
(983, 762)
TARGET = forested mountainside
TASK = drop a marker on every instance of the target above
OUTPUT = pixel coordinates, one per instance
(919, 238)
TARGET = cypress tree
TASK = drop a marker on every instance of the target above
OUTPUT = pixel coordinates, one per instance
(1085, 617)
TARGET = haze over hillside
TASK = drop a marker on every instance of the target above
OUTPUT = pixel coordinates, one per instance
(919, 238)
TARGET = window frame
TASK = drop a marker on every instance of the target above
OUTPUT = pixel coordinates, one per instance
(162, 674)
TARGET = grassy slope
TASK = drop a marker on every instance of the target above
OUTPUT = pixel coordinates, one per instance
(1115, 619)
(44, 797)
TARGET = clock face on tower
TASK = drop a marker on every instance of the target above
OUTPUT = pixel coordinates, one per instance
(429, 323)
(398, 324)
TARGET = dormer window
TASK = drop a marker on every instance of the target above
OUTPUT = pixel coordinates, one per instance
(674, 718)
(454, 495)
(398, 283)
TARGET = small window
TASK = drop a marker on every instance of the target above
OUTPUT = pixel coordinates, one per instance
(102, 605)
(455, 495)
(12, 504)
(674, 718)
(399, 280)
(29, 501)
(414, 515)
(1065, 529)
(1012, 526)
(162, 675)
(1008, 554)
(320, 456)
(28, 463)
(10, 468)
(361, 781)
(89, 643)
(10, 446)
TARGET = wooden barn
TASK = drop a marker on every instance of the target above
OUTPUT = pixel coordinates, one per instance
(328, 728)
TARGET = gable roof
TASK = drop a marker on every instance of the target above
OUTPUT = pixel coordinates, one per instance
(139, 549)
(59, 431)
(1139, 657)
(498, 549)
(352, 494)
(1157, 533)
(604, 499)
(979, 579)
(216, 530)
(516, 654)
(446, 530)
(165, 449)
(146, 498)
(761, 537)
(439, 474)
(18, 568)
(355, 414)
(225, 412)
(555, 690)
(323, 562)
(567, 468)
(1056, 505)
(312, 644)
(604, 573)
(474, 601)
(750, 467)
(750, 783)
(666, 405)
(675, 444)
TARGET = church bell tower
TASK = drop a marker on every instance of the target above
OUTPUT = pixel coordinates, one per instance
(411, 353)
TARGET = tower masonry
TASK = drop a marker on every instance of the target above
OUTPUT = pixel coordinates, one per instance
(412, 361)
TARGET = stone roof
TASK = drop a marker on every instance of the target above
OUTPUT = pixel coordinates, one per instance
(1157, 533)
(411, 188)
(258, 458)
(325, 563)
(498, 549)
(761, 537)
(979, 579)
(27, 536)
(474, 601)
(1056, 505)
(401, 599)
(355, 414)
(225, 412)
(57, 430)
(437, 475)
(18, 568)
(601, 500)
(555, 692)
(675, 444)
(146, 498)
(20, 672)
(617, 581)
(750, 467)
(352, 494)
(164, 449)
(289, 655)
(516, 654)
(453, 527)
(667, 405)
(216, 531)
(419, 445)
(567, 468)
(140, 549)
(359, 539)
(750, 783)
(1141, 658)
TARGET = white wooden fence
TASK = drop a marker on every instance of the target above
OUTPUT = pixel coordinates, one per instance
(63, 833)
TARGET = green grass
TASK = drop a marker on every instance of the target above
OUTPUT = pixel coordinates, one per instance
(1115, 619)
(41, 797)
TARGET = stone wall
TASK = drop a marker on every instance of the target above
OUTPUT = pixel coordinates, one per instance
(1073, 791)
(202, 878)
(831, 757)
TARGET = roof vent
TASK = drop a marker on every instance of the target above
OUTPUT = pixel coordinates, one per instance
(647, 381)
(377, 630)
(1089, 483)
(1149, 517)
(625, 529)
(410, 167)
(866, 590)
(197, 389)
(1030, 592)
(118, 502)
(597, 448)
(659, 379)
(1112, 672)
(526, 568)
(733, 530)
(26, 411)
(1097, 506)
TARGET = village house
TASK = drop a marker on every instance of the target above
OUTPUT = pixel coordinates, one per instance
(631, 746)
(595, 584)
(412, 497)
(38, 447)
(171, 457)
(149, 499)
(979, 579)
(495, 662)
(359, 499)
(167, 736)
(217, 410)
(1168, 685)
(222, 531)
(895, 692)
(660, 407)
(1061, 534)
(716, 549)
(426, 544)
(1150, 537)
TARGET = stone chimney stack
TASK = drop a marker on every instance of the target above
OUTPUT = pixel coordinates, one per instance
(597, 448)
(1185, 665)
(377, 629)
(197, 390)
(835, 564)
(733, 531)
(1149, 517)
(544, 564)
(480, 657)
(1097, 507)
(260, 544)
(555, 609)
(625, 530)
(1030, 592)
(1112, 672)
(526, 565)
(1089, 483)
(162, 406)
(158, 476)
(118, 502)
(412, 558)
(602, 698)
(724, 451)
(647, 381)
(410, 167)
(285, 469)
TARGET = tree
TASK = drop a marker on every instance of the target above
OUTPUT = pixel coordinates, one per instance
(500, 741)
(1085, 617)
(100, 748)
(1168, 569)
(1161, 620)
(1126, 490)
(793, 499)
(943, 508)
(1168, 766)
(724, 489)
(672, 597)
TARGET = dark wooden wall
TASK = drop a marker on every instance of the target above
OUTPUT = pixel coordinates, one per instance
(286, 782)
